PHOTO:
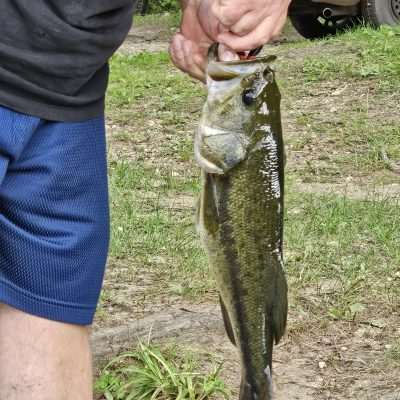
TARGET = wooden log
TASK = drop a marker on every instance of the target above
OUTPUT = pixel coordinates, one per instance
(198, 320)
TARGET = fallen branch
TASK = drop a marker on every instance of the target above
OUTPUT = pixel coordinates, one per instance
(169, 324)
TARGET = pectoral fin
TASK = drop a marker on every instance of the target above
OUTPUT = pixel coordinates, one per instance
(218, 151)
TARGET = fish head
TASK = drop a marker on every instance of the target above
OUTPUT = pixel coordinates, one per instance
(239, 102)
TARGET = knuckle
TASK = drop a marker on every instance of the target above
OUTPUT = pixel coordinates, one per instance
(225, 15)
(240, 30)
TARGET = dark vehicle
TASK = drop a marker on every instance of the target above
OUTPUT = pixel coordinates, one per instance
(142, 7)
(316, 18)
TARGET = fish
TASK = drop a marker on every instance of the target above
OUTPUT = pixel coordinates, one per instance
(239, 148)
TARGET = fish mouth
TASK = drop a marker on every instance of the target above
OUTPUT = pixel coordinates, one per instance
(263, 60)
(225, 70)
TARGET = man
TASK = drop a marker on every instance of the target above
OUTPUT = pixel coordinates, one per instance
(53, 182)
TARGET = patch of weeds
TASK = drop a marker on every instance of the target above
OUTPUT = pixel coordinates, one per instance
(101, 313)
(341, 94)
(392, 353)
(367, 53)
(359, 145)
(168, 20)
(341, 134)
(159, 104)
(146, 85)
(151, 374)
(146, 224)
(121, 136)
(319, 69)
(355, 244)
(346, 310)
(184, 149)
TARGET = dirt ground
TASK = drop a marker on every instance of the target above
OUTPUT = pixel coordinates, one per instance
(346, 363)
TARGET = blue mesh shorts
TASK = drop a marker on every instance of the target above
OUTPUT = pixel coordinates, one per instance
(54, 220)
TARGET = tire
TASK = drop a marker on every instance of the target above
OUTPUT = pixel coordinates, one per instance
(381, 12)
(312, 27)
(142, 7)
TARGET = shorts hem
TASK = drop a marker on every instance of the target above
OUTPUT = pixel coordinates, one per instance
(70, 313)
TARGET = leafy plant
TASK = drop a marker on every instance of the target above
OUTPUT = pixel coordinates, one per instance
(150, 374)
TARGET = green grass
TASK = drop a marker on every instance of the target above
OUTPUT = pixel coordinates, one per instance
(151, 374)
(392, 354)
(159, 104)
(354, 245)
(361, 53)
(342, 256)
(351, 143)
(169, 20)
(147, 224)
(344, 93)
(342, 137)
(147, 86)
(149, 99)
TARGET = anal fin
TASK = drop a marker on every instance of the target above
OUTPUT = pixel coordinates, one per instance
(280, 307)
(227, 322)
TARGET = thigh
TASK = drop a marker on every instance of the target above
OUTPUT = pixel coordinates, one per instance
(53, 218)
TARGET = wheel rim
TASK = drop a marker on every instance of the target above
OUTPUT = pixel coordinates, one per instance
(396, 8)
(335, 24)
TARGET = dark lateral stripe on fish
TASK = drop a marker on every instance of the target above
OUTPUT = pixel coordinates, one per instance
(228, 239)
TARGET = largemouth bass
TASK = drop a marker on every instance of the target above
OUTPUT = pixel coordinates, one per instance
(239, 147)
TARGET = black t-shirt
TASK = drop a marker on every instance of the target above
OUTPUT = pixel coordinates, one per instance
(53, 54)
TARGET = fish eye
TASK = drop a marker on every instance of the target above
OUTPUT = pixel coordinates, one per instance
(248, 97)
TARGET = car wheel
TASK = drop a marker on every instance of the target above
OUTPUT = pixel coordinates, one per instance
(381, 12)
(142, 7)
(312, 27)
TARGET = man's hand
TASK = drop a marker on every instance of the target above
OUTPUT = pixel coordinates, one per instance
(189, 47)
(243, 24)
(238, 25)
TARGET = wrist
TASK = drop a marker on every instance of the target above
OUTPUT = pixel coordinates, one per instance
(189, 3)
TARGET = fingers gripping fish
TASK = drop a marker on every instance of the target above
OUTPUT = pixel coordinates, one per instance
(239, 147)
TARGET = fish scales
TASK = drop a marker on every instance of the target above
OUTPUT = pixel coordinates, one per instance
(240, 217)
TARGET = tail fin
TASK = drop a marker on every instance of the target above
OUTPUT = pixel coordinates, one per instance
(246, 392)
(264, 392)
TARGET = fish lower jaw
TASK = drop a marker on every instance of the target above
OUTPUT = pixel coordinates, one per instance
(207, 131)
(207, 166)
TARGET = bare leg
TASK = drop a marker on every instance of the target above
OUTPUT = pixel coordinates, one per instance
(42, 359)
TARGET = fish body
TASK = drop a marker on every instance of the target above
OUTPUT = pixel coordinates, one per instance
(239, 147)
